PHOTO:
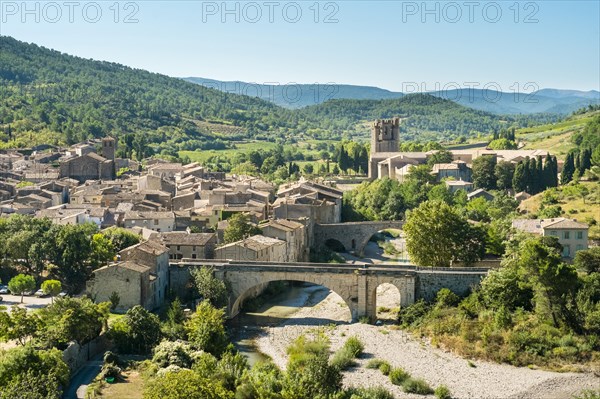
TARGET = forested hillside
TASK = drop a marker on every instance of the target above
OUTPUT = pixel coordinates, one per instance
(50, 97)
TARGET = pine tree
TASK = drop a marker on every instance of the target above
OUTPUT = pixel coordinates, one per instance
(568, 169)
(519, 183)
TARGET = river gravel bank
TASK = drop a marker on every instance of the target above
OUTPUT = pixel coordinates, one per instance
(328, 313)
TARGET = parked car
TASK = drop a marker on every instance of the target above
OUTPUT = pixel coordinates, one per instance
(40, 293)
(62, 295)
(28, 293)
(4, 289)
(1, 299)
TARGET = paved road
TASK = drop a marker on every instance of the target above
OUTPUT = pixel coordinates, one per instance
(30, 302)
(79, 382)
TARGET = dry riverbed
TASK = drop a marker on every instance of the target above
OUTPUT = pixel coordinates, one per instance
(327, 312)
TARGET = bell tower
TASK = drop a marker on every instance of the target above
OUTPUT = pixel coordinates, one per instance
(108, 148)
(385, 135)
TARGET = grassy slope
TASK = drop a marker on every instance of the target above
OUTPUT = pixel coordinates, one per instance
(555, 137)
(583, 211)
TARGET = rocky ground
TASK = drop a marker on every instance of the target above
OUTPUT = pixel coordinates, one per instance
(326, 312)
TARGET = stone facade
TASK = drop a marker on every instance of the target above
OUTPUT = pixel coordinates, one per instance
(294, 234)
(188, 245)
(130, 280)
(255, 248)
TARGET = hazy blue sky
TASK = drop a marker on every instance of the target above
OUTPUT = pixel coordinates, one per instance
(386, 44)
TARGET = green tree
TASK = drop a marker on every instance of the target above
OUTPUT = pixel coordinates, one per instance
(138, 332)
(209, 287)
(205, 329)
(554, 282)
(72, 319)
(436, 235)
(72, 250)
(18, 325)
(504, 173)
(121, 238)
(51, 288)
(588, 260)
(484, 172)
(308, 169)
(568, 169)
(27, 372)
(518, 182)
(441, 156)
(20, 284)
(239, 228)
(102, 250)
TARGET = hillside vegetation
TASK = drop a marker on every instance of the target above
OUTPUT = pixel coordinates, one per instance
(50, 97)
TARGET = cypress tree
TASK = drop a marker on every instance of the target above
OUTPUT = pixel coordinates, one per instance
(554, 172)
(539, 175)
(586, 159)
(568, 169)
(519, 183)
(547, 172)
(531, 172)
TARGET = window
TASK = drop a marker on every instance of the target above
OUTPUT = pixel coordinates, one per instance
(193, 256)
(553, 233)
(179, 247)
(155, 221)
(567, 235)
(579, 247)
(580, 235)
(566, 251)
(194, 248)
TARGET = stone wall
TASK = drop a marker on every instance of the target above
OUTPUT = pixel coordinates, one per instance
(75, 356)
(428, 283)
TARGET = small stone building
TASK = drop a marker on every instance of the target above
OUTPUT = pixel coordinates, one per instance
(255, 248)
(188, 245)
(140, 277)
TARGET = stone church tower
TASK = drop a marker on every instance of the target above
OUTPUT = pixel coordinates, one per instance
(109, 148)
(385, 140)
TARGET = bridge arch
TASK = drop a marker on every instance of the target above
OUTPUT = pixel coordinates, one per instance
(353, 235)
(244, 286)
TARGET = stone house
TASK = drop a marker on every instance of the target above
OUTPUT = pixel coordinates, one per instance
(293, 233)
(255, 248)
(188, 245)
(571, 234)
(316, 191)
(157, 221)
(129, 280)
(91, 166)
(154, 255)
(480, 193)
(455, 185)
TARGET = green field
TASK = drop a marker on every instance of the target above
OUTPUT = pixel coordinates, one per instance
(249, 146)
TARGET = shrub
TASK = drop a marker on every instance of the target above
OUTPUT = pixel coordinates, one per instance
(375, 363)
(176, 353)
(588, 394)
(369, 393)
(413, 314)
(398, 376)
(442, 392)
(343, 359)
(446, 298)
(416, 385)
(364, 320)
(385, 368)
(355, 346)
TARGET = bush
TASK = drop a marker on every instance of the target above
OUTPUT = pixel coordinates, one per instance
(446, 298)
(398, 376)
(375, 363)
(342, 359)
(442, 392)
(416, 385)
(385, 368)
(588, 394)
(369, 393)
(413, 314)
(176, 353)
(355, 346)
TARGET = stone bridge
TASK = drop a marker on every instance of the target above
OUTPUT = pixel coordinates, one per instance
(354, 236)
(355, 284)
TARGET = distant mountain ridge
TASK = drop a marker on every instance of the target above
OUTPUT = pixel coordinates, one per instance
(294, 95)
